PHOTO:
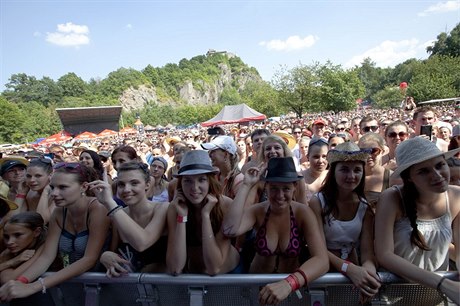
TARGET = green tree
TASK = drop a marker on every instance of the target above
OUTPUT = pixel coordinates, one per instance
(72, 85)
(121, 79)
(297, 88)
(339, 88)
(262, 97)
(437, 77)
(390, 96)
(373, 78)
(11, 122)
(230, 96)
(446, 43)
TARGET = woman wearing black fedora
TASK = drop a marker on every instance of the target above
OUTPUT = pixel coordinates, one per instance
(416, 222)
(196, 243)
(347, 220)
(283, 228)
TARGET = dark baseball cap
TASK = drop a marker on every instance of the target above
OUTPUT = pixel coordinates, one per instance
(10, 164)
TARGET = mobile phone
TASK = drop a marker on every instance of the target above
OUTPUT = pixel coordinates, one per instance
(426, 130)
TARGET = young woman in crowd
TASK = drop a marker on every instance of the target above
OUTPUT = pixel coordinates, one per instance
(77, 233)
(140, 225)
(377, 177)
(416, 222)
(223, 154)
(347, 220)
(242, 152)
(303, 150)
(158, 190)
(395, 133)
(91, 159)
(23, 236)
(283, 227)
(123, 154)
(195, 240)
(179, 149)
(316, 173)
(37, 199)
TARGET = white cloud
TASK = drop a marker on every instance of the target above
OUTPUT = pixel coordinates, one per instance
(69, 35)
(129, 26)
(37, 34)
(390, 53)
(441, 7)
(290, 44)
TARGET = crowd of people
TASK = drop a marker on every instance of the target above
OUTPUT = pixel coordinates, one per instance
(296, 196)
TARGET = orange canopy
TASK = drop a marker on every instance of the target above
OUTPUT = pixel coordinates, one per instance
(107, 133)
(86, 136)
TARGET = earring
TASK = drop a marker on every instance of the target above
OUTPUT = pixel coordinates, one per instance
(83, 193)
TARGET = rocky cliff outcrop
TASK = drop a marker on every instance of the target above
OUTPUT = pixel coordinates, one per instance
(197, 93)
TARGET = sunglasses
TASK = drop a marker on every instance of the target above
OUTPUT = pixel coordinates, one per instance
(297, 132)
(71, 168)
(340, 129)
(375, 151)
(105, 143)
(367, 129)
(394, 134)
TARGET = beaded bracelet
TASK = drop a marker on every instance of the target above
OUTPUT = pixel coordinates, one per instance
(303, 275)
(42, 282)
(20, 196)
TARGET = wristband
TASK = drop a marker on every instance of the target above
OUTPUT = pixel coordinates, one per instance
(114, 210)
(181, 219)
(438, 287)
(42, 281)
(344, 267)
(303, 275)
(23, 279)
(293, 282)
(20, 196)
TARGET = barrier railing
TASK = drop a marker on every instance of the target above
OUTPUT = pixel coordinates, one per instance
(93, 289)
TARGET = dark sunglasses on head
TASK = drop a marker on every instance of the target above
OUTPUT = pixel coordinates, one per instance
(318, 141)
(394, 134)
(44, 160)
(68, 166)
(369, 128)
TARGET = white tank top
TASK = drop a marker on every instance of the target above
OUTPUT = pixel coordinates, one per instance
(343, 235)
(438, 236)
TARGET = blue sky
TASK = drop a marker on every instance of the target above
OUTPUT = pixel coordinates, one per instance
(93, 38)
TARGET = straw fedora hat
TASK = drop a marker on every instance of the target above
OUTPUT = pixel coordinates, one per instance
(288, 138)
(196, 162)
(347, 151)
(281, 169)
(415, 151)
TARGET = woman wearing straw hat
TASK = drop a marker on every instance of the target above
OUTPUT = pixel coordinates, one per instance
(416, 222)
(283, 228)
(347, 220)
(195, 240)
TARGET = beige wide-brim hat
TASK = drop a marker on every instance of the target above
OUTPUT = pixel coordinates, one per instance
(288, 138)
(415, 151)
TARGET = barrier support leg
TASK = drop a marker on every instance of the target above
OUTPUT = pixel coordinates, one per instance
(92, 294)
(196, 295)
(317, 298)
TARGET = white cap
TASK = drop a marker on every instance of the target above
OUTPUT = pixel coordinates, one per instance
(225, 143)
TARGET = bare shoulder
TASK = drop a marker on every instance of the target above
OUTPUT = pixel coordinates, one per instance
(390, 201)
(454, 199)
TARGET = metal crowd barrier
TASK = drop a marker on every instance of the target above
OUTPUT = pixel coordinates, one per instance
(94, 289)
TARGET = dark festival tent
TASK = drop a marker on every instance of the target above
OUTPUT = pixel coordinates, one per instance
(235, 114)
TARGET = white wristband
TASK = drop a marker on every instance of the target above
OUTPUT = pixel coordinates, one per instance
(42, 282)
(344, 267)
